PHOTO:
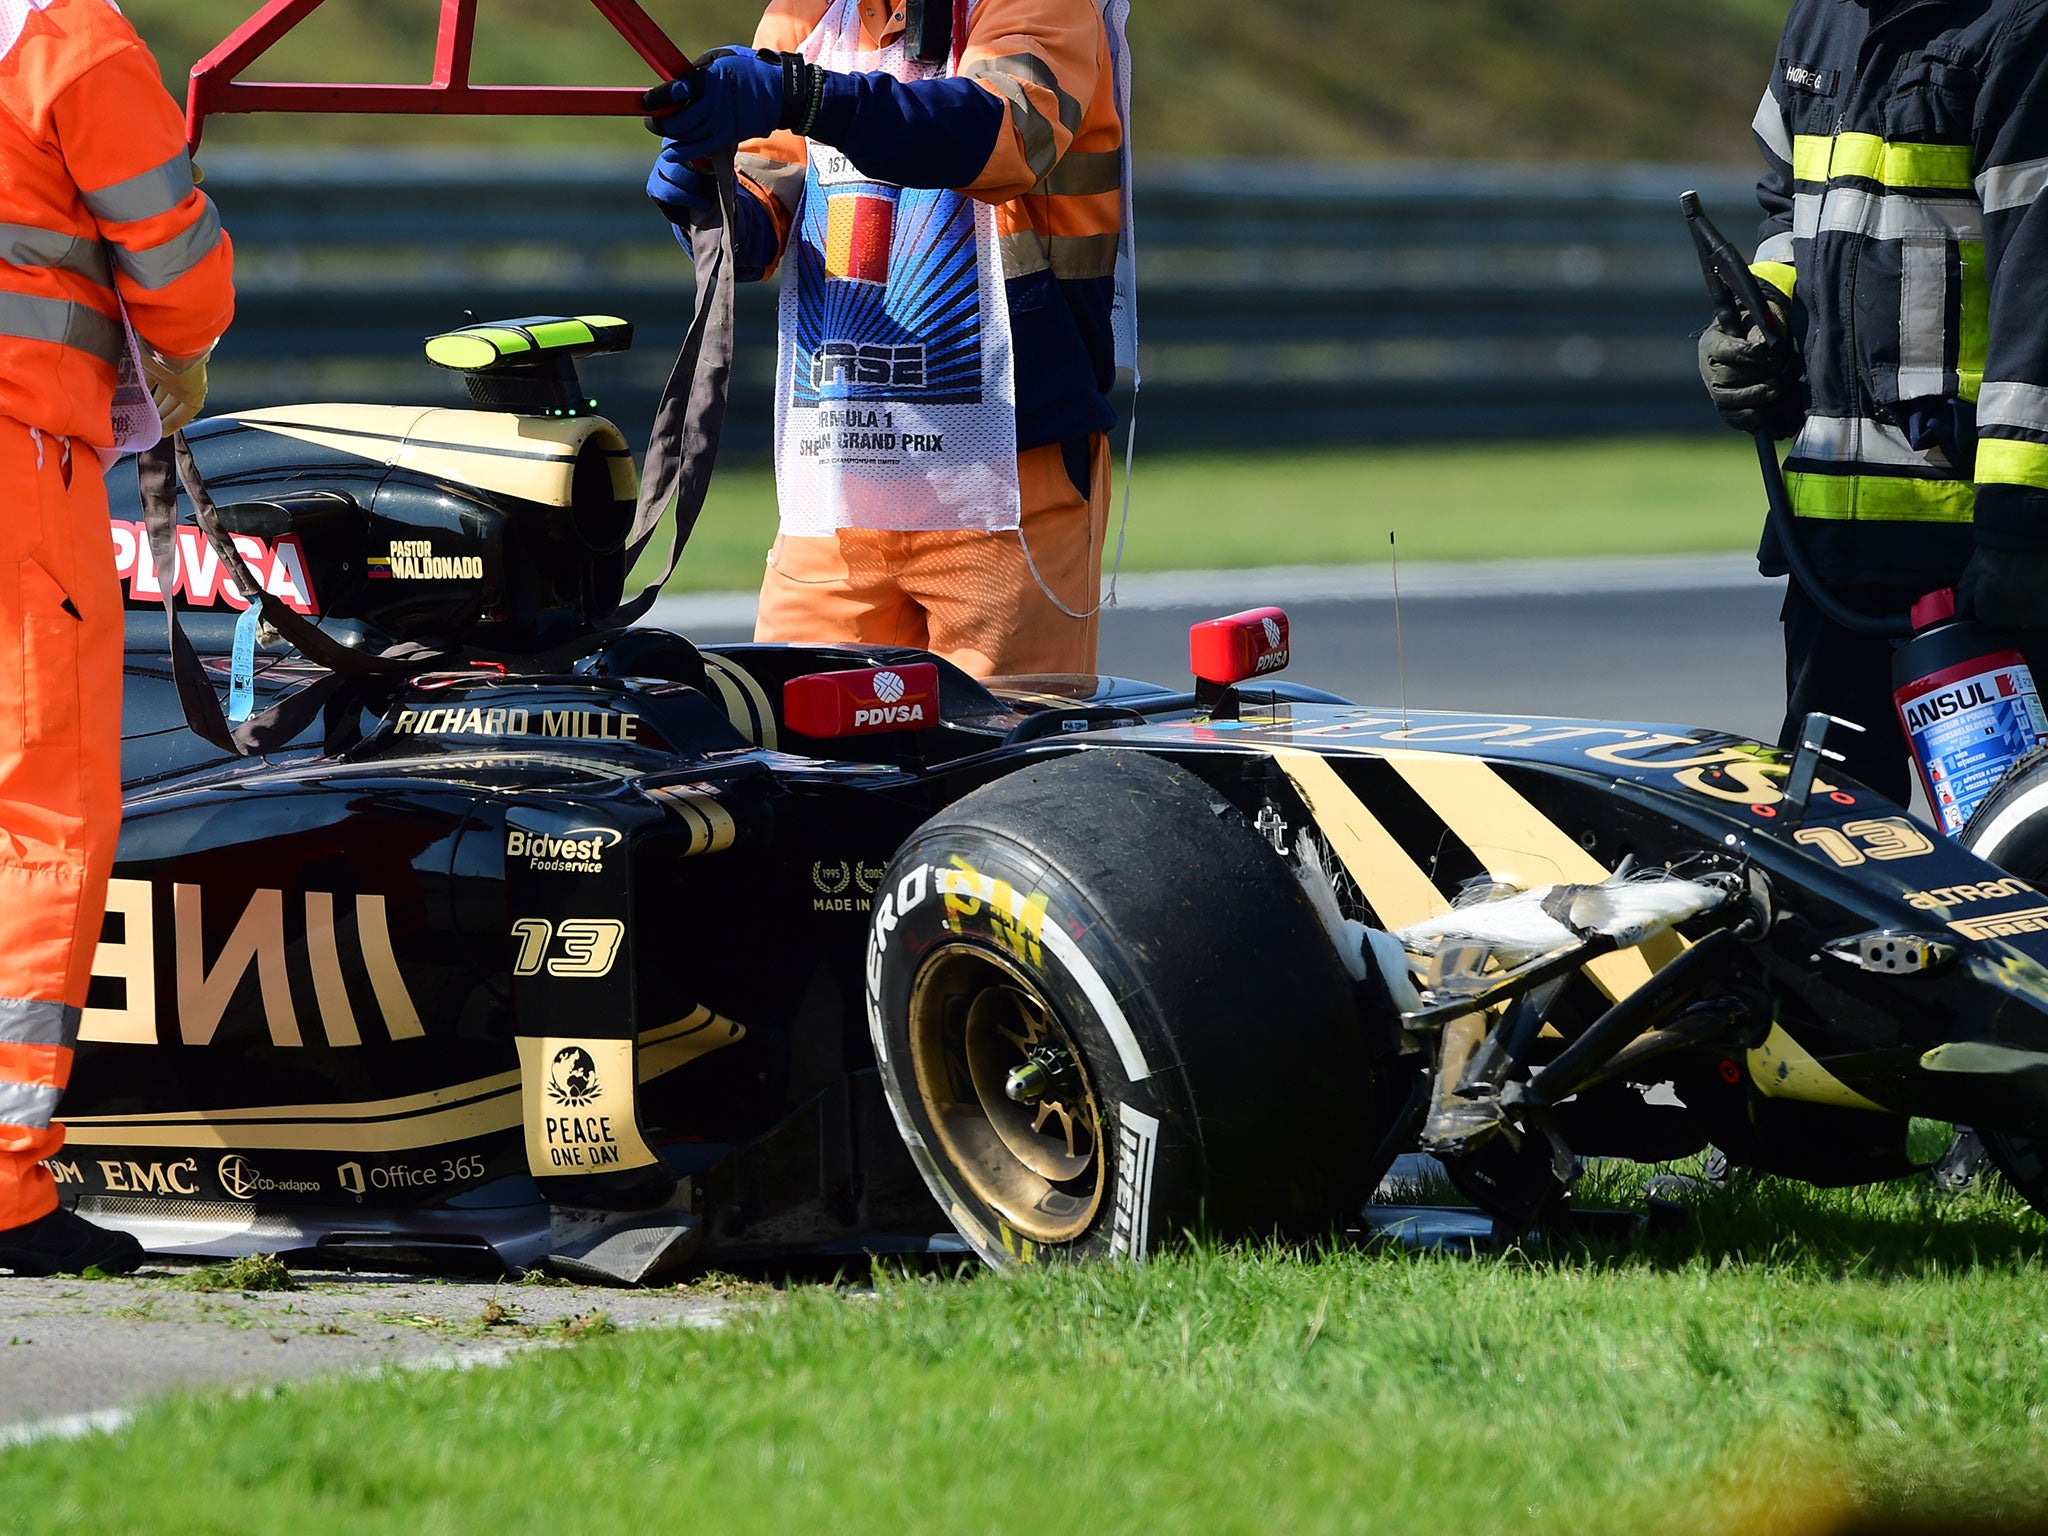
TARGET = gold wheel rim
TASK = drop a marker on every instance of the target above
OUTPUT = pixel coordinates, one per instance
(975, 1018)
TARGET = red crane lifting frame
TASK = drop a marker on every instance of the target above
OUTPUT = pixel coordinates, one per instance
(215, 89)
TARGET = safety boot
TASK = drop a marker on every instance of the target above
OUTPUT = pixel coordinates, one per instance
(64, 1243)
(1963, 1165)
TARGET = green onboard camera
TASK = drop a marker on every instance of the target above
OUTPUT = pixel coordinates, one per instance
(529, 366)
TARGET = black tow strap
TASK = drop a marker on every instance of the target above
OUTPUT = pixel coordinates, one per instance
(689, 420)
(158, 473)
(681, 453)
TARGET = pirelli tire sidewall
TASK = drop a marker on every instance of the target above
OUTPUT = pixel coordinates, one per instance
(1217, 1030)
(2010, 829)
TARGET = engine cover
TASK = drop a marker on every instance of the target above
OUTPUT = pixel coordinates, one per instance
(404, 523)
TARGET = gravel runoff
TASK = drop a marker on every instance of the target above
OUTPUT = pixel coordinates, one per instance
(80, 1355)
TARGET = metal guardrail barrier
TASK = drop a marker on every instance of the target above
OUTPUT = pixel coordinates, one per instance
(1279, 305)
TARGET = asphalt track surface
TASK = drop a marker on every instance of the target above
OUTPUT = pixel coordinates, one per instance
(1708, 658)
(1691, 641)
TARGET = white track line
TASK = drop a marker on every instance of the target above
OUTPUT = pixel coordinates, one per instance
(1285, 584)
(72, 1426)
(111, 1421)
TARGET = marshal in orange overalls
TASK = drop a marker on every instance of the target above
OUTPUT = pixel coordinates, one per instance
(97, 211)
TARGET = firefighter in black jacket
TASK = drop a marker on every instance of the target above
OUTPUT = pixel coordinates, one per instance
(1906, 144)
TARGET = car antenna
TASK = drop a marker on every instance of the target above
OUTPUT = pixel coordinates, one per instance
(1400, 651)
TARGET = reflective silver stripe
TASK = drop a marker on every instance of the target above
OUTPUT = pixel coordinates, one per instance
(2007, 404)
(1777, 248)
(1007, 77)
(1844, 210)
(1039, 144)
(1070, 257)
(2012, 186)
(1024, 254)
(144, 196)
(22, 1105)
(1769, 126)
(1852, 440)
(23, 245)
(32, 1023)
(1923, 318)
(62, 322)
(778, 178)
(162, 265)
(1029, 66)
(1086, 173)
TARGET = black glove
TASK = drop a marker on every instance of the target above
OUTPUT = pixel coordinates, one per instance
(2007, 589)
(1755, 385)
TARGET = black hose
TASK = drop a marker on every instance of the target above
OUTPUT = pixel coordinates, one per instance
(1739, 305)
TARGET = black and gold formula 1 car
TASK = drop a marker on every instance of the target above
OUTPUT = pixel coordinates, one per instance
(594, 949)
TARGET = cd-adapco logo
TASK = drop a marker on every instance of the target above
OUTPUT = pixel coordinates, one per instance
(579, 851)
(572, 1077)
(242, 1180)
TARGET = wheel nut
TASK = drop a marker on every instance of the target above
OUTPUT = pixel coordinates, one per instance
(1028, 1083)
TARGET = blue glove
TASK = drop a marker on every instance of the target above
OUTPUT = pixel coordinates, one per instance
(679, 188)
(734, 94)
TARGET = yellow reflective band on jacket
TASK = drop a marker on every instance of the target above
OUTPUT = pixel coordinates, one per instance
(2007, 461)
(1883, 498)
(1865, 155)
(1781, 275)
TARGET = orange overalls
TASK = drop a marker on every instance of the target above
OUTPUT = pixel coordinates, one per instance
(96, 200)
(1055, 180)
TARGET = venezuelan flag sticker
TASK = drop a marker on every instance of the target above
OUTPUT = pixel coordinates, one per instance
(858, 228)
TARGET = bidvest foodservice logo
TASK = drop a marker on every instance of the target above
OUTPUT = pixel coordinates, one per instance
(577, 851)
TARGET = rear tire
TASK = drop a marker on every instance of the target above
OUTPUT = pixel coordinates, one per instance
(2010, 828)
(1192, 1051)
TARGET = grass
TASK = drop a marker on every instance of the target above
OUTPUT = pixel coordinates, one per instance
(1786, 1357)
(1446, 502)
(251, 1272)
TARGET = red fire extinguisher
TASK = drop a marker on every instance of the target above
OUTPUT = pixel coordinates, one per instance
(1968, 704)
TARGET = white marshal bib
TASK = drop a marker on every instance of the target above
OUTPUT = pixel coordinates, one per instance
(895, 397)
